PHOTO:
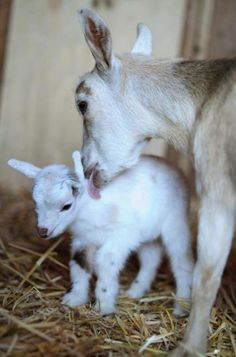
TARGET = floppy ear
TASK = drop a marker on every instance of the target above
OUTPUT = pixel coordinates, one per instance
(78, 165)
(98, 38)
(143, 42)
(25, 168)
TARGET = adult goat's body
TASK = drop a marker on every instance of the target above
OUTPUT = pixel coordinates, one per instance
(191, 104)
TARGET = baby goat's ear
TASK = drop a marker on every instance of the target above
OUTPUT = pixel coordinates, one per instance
(98, 38)
(143, 42)
(25, 168)
(78, 165)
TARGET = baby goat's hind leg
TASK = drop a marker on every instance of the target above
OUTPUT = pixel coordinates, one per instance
(177, 240)
(150, 255)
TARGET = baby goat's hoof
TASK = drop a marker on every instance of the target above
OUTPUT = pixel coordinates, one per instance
(73, 299)
(104, 309)
(134, 293)
(181, 311)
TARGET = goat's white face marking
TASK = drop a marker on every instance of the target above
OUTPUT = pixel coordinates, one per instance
(55, 201)
(111, 142)
(54, 191)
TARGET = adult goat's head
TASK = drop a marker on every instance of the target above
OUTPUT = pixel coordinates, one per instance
(108, 103)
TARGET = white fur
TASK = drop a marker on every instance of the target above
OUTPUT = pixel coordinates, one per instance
(144, 203)
(143, 43)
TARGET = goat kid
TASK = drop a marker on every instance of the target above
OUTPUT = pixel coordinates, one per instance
(141, 204)
(128, 99)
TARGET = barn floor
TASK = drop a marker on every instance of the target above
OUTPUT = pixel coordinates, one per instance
(35, 275)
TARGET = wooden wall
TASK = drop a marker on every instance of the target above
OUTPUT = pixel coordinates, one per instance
(45, 55)
(5, 7)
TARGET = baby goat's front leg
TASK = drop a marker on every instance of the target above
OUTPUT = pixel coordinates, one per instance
(80, 276)
(109, 261)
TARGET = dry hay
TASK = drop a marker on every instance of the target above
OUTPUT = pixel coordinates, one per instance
(35, 275)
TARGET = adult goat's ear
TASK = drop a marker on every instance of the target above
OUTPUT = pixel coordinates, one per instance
(143, 42)
(98, 38)
(25, 168)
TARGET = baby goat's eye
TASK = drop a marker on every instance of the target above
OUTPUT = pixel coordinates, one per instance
(66, 207)
(82, 106)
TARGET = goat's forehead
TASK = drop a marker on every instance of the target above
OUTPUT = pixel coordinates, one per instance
(50, 184)
(83, 88)
(52, 174)
(88, 84)
(59, 195)
(51, 194)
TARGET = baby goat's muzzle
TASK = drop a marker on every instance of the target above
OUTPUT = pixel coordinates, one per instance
(43, 232)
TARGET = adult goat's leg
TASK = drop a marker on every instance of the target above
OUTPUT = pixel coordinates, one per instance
(216, 229)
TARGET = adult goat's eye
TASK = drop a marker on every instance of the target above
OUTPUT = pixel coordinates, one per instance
(66, 207)
(82, 106)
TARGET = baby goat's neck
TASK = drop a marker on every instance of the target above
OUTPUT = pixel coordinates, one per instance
(84, 206)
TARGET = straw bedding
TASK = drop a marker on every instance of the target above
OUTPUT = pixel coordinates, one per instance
(35, 275)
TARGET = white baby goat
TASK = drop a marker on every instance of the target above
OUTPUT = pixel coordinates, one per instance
(147, 201)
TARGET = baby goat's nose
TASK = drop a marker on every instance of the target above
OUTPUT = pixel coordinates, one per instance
(43, 232)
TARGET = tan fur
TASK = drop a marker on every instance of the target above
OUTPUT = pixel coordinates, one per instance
(83, 89)
(150, 75)
(209, 75)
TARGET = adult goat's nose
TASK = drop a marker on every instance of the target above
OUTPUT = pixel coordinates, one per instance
(88, 173)
(43, 232)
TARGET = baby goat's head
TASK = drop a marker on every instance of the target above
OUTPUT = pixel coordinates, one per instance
(55, 189)
(106, 100)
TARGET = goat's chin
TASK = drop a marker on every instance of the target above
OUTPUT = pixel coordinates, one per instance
(55, 234)
(52, 236)
(101, 179)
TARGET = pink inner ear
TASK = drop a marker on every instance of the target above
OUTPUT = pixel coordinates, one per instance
(92, 190)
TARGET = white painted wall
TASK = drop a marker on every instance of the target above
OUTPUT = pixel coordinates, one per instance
(46, 53)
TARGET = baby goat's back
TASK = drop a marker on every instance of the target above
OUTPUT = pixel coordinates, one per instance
(148, 193)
